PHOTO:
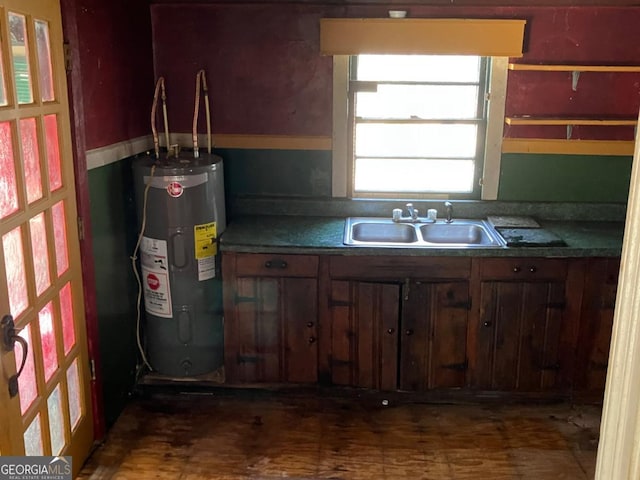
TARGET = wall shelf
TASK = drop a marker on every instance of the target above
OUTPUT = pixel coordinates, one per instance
(568, 147)
(574, 69)
(571, 122)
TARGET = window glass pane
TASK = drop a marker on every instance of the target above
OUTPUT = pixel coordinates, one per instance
(68, 326)
(44, 61)
(421, 140)
(3, 83)
(48, 340)
(402, 175)
(20, 56)
(31, 158)
(27, 380)
(419, 101)
(33, 438)
(39, 252)
(56, 421)
(419, 68)
(53, 152)
(60, 232)
(75, 394)
(8, 186)
(15, 271)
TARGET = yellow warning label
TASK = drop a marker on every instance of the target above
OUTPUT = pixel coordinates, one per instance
(205, 240)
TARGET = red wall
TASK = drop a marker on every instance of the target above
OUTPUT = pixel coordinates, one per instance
(267, 76)
(116, 64)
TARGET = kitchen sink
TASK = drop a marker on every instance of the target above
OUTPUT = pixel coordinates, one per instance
(382, 232)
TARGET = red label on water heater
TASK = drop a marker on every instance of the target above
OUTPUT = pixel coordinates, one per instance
(153, 281)
(175, 189)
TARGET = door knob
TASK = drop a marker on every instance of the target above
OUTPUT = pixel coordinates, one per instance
(9, 338)
(312, 339)
(391, 331)
(409, 332)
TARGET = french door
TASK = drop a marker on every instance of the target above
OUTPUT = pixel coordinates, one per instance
(40, 271)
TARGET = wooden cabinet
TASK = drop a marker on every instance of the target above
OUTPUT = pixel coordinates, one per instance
(596, 323)
(271, 318)
(524, 323)
(433, 335)
(406, 331)
(364, 334)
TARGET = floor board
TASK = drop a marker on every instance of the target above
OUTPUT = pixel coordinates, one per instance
(269, 436)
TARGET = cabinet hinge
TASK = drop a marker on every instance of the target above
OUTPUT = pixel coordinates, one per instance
(92, 368)
(80, 228)
(338, 303)
(240, 299)
(457, 366)
(248, 359)
(67, 56)
(558, 305)
(553, 366)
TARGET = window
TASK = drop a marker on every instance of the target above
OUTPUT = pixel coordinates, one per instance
(419, 124)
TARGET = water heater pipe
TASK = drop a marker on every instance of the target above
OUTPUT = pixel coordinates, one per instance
(201, 76)
(154, 131)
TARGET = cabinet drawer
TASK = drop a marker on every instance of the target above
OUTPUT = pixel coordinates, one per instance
(399, 268)
(523, 268)
(271, 265)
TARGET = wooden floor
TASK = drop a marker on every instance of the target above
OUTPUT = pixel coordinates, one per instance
(266, 436)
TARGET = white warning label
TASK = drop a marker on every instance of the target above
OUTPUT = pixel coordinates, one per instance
(155, 277)
(206, 268)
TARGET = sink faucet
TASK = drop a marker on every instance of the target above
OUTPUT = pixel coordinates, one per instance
(449, 208)
(413, 214)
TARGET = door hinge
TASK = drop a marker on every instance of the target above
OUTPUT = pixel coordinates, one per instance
(80, 229)
(92, 368)
(67, 56)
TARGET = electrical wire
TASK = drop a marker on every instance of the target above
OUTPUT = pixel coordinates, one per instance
(134, 258)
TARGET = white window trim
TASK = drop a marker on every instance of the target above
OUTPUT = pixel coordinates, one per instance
(495, 124)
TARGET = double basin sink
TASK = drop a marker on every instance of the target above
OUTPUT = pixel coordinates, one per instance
(459, 233)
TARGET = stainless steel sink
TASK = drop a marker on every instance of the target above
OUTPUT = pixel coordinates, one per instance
(382, 232)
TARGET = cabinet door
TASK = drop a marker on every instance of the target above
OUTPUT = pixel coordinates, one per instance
(271, 336)
(433, 352)
(596, 323)
(364, 339)
(519, 335)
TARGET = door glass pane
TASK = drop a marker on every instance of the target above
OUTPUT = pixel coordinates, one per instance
(20, 57)
(44, 61)
(31, 158)
(60, 231)
(40, 253)
(15, 271)
(3, 84)
(56, 421)
(75, 394)
(66, 309)
(53, 152)
(27, 380)
(33, 438)
(48, 340)
(8, 187)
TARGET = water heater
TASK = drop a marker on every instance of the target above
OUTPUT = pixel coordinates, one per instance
(182, 203)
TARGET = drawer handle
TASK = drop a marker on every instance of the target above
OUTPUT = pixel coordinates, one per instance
(409, 332)
(487, 324)
(516, 269)
(312, 340)
(275, 264)
(391, 331)
(533, 269)
(309, 324)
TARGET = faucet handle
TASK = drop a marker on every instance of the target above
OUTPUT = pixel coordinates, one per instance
(396, 214)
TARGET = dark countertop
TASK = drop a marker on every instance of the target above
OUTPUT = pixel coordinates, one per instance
(324, 235)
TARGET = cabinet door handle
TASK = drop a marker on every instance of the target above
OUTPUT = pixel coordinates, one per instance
(309, 324)
(312, 339)
(391, 331)
(409, 332)
(533, 269)
(487, 324)
(516, 269)
(275, 264)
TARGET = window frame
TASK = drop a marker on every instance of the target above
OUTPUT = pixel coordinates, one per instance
(355, 86)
